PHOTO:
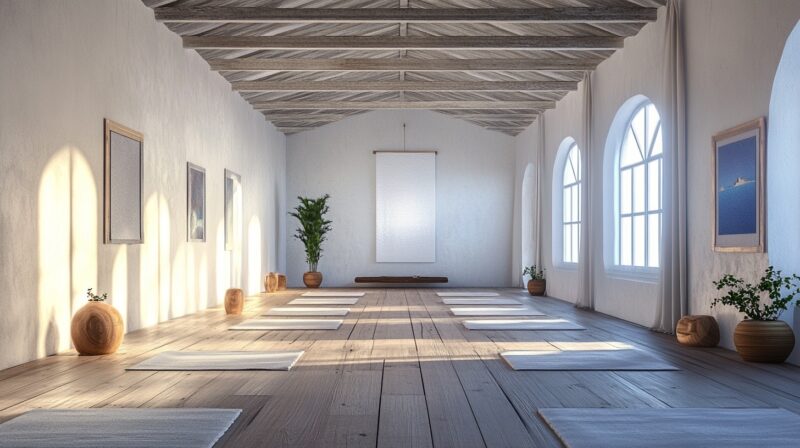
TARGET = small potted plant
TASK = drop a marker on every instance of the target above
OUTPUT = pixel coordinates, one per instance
(761, 337)
(312, 230)
(97, 327)
(537, 285)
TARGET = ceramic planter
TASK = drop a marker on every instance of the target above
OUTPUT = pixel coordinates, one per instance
(764, 340)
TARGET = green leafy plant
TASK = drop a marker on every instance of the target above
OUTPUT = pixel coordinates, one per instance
(534, 272)
(747, 297)
(313, 227)
(94, 297)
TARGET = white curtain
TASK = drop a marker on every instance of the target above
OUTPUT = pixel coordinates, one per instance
(588, 231)
(673, 290)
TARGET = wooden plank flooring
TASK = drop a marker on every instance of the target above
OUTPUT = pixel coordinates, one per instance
(400, 372)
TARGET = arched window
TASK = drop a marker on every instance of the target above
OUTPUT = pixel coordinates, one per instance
(638, 180)
(571, 206)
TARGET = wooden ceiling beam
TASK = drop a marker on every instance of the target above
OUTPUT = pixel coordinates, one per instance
(408, 15)
(406, 86)
(404, 64)
(405, 43)
(430, 105)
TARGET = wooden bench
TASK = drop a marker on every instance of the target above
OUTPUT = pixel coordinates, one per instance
(401, 279)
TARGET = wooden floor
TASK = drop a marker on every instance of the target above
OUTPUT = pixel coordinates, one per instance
(401, 372)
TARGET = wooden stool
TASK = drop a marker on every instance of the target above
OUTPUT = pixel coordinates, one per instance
(234, 301)
(281, 282)
(698, 331)
(271, 282)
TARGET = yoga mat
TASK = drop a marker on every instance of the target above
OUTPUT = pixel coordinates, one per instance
(488, 301)
(495, 311)
(674, 427)
(324, 301)
(521, 324)
(467, 294)
(117, 428)
(306, 311)
(333, 294)
(625, 359)
(288, 324)
(220, 361)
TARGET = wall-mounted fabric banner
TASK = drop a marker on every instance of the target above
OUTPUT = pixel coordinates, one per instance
(405, 207)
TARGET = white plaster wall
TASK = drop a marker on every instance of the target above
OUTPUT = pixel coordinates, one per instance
(474, 196)
(525, 146)
(67, 66)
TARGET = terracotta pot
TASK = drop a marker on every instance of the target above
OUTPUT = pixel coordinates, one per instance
(537, 287)
(312, 279)
(97, 329)
(234, 301)
(697, 331)
(281, 282)
(271, 282)
(763, 340)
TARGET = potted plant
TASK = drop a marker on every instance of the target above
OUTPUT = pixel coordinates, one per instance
(537, 285)
(761, 337)
(97, 327)
(312, 230)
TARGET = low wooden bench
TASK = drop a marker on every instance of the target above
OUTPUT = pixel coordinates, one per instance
(401, 279)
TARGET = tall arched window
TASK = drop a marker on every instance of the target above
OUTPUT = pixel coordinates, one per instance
(571, 206)
(639, 180)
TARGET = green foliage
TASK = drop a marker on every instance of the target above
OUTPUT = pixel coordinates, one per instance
(534, 272)
(746, 297)
(94, 297)
(313, 227)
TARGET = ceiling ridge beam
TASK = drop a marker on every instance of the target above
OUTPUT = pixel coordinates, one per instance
(407, 43)
(430, 105)
(407, 86)
(235, 14)
(404, 64)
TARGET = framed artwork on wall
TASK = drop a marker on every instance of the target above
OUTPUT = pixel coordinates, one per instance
(233, 209)
(195, 202)
(122, 184)
(739, 179)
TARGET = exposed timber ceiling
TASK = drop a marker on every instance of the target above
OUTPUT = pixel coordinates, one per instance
(497, 64)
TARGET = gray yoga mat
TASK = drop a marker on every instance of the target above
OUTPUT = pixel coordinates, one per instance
(479, 301)
(306, 311)
(333, 294)
(495, 311)
(288, 324)
(670, 428)
(117, 428)
(521, 324)
(325, 301)
(467, 294)
(208, 360)
(623, 359)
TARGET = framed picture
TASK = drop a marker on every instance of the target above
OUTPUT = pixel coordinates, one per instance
(122, 184)
(196, 202)
(739, 179)
(233, 209)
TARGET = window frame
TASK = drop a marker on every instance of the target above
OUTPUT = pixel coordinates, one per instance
(558, 224)
(577, 185)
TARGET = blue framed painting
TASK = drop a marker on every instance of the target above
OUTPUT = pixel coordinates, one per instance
(739, 171)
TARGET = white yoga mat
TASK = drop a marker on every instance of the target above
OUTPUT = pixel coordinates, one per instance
(488, 301)
(324, 301)
(117, 428)
(521, 324)
(333, 294)
(495, 311)
(306, 311)
(467, 294)
(674, 427)
(220, 361)
(288, 324)
(624, 359)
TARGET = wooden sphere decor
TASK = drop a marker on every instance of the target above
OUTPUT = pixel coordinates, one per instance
(234, 301)
(764, 340)
(698, 331)
(281, 282)
(312, 279)
(537, 287)
(271, 282)
(97, 329)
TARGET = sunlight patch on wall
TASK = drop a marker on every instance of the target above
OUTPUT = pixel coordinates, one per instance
(254, 256)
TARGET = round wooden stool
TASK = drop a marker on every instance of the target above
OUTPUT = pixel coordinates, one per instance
(698, 331)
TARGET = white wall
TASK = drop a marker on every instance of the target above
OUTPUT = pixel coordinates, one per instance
(474, 196)
(733, 49)
(67, 66)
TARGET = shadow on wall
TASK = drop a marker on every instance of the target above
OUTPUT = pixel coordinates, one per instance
(783, 163)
